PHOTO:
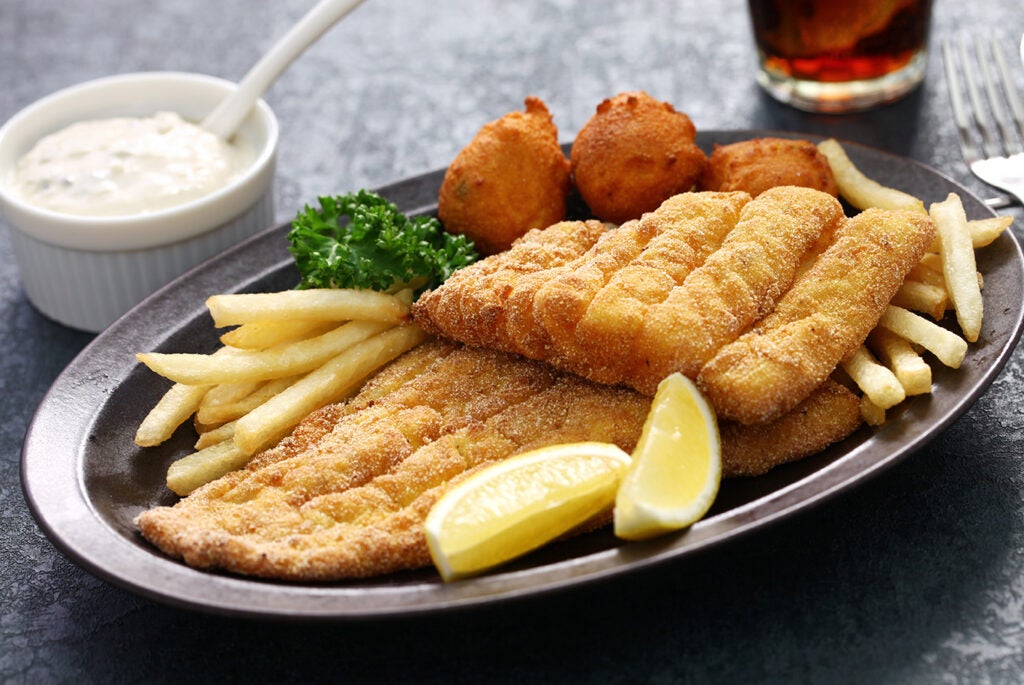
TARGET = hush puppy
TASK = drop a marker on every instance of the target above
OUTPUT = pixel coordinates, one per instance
(634, 153)
(512, 177)
(757, 165)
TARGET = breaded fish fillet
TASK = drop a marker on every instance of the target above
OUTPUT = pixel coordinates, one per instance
(654, 296)
(828, 415)
(513, 302)
(824, 317)
(346, 495)
(735, 287)
(594, 309)
(492, 301)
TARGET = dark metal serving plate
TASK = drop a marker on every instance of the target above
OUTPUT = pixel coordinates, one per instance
(85, 480)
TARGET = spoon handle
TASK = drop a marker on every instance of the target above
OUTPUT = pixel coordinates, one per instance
(228, 115)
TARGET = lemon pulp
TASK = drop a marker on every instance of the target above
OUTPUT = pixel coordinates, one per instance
(518, 504)
(677, 464)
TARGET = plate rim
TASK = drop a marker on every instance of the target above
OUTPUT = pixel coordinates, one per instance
(96, 546)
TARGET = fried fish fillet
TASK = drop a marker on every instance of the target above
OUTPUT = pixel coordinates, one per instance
(735, 287)
(494, 300)
(824, 317)
(346, 495)
(656, 295)
(517, 301)
(592, 309)
(828, 415)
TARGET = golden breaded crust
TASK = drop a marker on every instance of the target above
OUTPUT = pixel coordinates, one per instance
(828, 415)
(593, 311)
(490, 303)
(559, 312)
(512, 177)
(634, 153)
(654, 296)
(347, 494)
(735, 287)
(825, 316)
(754, 166)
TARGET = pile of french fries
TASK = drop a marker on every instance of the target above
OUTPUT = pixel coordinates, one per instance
(890, 367)
(291, 353)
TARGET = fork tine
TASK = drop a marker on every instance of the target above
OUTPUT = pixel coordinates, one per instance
(978, 111)
(996, 87)
(1010, 90)
(996, 160)
(960, 116)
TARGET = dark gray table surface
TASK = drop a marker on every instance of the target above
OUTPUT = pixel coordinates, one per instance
(915, 577)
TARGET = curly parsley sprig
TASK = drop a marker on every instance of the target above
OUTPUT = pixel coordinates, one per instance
(377, 248)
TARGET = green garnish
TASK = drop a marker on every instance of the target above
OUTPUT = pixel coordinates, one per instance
(378, 248)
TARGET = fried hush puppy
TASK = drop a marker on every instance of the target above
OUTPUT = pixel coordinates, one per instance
(512, 177)
(634, 153)
(756, 165)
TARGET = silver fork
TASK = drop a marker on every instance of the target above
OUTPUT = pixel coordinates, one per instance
(991, 129)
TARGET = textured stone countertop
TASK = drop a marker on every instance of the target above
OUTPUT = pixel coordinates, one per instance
(916, 576)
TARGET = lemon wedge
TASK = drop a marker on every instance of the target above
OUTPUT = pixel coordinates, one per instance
(677, 464)
(517, 505)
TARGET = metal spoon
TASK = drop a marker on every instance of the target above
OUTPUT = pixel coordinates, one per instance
(229, 114)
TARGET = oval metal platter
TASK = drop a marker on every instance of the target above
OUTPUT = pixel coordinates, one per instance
(86, 481)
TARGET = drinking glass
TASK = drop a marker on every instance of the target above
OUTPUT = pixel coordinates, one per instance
(840, 55)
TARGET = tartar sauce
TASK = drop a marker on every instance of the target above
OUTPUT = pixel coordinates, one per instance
(125, 166)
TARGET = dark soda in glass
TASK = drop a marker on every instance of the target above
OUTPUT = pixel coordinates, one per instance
(839, 51)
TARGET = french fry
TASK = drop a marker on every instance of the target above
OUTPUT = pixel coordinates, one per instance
(227, 393)
(337, 378)
(199, 468)
(323, 304)
(289, 359)
(259, 335)
(219, 434)
(958, 264)
(876, 381)
(933, 261)
(948, 347)
(859, 190)
(925, 271)
(922, 297)
(223, 413)
(403, 293)
(172, 410)
(907, 365)
(872, 414)
(985, 231)
(202, 428)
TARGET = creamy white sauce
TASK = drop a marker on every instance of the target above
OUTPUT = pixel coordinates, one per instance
(126, 166)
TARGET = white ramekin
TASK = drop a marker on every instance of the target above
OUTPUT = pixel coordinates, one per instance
(85, 272)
